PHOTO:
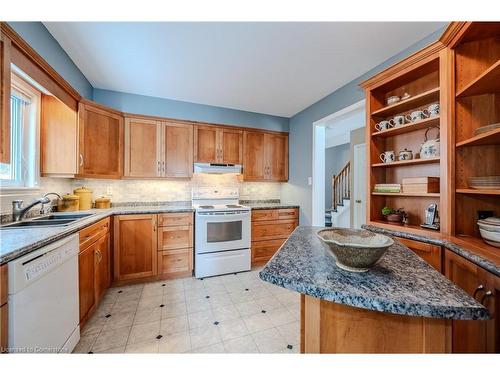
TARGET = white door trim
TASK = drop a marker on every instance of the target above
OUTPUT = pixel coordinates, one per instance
(359, 187)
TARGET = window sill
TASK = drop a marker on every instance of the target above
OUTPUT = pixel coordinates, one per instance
(16, 190)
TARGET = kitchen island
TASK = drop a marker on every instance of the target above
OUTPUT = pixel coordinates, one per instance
(402, 305)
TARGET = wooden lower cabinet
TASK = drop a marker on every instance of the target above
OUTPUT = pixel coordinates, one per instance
(432, 254)
(475, 336)
(175, 262)
(135, 246)
(270, 228)
(94, 267)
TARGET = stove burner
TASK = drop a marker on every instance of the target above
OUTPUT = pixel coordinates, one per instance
(207, 206)
(233, 206)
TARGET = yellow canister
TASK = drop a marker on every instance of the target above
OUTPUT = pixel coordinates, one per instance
(69, 202)
(102, 202)
(85, 195)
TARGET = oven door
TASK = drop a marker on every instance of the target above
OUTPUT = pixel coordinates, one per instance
(222, 231)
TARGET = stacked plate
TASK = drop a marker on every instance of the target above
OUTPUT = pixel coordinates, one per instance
(486, 182)
(490, 230)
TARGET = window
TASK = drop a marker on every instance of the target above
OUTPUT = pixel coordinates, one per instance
(22, 171)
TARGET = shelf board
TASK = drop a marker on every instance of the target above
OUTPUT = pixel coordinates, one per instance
(413, 102)
(487, 82)
(478, 191)
(415, 229)
(407, 194)
(487, 138)
(407, 128)
(403, 163)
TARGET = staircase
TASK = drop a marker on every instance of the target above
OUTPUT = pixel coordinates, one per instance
(339, 215)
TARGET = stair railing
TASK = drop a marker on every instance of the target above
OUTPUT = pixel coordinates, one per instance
(341, 187)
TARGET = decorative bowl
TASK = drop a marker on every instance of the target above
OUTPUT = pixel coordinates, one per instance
(355, 250)
(490, 237)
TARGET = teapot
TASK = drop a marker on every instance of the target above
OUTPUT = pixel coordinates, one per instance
(430, 147)
(405, 154)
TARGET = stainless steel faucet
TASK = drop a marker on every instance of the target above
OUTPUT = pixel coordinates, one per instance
(18, 211)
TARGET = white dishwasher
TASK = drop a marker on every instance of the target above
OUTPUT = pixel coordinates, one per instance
(43, 299)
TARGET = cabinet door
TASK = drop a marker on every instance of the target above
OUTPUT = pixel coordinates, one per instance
(269, 230)
(468, 336)
(86, 279)
(492, 302)
(206, 140)
(430, 253)
(100, 143)
(134, 246)
(253, 158)
(231, 144)
(142, 148)
(178, 150)
(276, 156)
(4, 99)
(170, 238)
(102, 268)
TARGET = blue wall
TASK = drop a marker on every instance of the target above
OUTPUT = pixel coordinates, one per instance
(39, 38)
(148, 105)
(297, 191)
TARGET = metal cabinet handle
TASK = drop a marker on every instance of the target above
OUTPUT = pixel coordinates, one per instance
(81, 160)
(163, 166)
(358, 200)
(158, 167)
(488, 294)
(478, 289)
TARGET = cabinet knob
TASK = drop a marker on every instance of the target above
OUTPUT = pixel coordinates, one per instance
(358, 200)
(81, 160)
(478, 289)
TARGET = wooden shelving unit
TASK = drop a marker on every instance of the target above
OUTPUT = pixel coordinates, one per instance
(407, 128)
(478, 191)
(485, 83)
(402, 163)
(406, 194)
(413, 102)
(488, 138)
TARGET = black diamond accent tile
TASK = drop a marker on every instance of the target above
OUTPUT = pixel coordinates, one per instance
(246, 289)
(163, 284)
(91, 352)
(235, 273)
(159, 337)
(162, 305)
(216, 323)
(108, 315)
(201, 278)
(263, 311)
(289, 346)
(207, 296)
(120, 291)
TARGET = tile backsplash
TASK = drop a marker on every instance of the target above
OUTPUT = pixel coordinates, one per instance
(150, 190)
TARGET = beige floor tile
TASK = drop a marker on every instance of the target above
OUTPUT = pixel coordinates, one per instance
(210, 349)
(196, 305)
(150, 346)
(175, 343)
(244, 344)
(122, 307)
(94, 325)
(171, 310)
(201, 337)
(269, 303)
(103, 310)
(85, 344)
(150, 302)
(269, 341)
(220, 300)
(200, 319)
(232, 329)
(144, 332)
(118, 320)
(225, 312)
(147, 316)
(173, 297)
(116, 350)
(280, 316)
(257, 322)
(290, 332)
(241, 296)
(173, 325)
(111, 339)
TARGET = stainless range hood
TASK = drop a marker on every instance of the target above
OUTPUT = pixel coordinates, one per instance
(217, 168)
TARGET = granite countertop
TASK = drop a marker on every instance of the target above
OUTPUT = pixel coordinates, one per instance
(472, 251)
(400, 283)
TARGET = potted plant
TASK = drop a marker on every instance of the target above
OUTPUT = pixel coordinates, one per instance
(394, 215)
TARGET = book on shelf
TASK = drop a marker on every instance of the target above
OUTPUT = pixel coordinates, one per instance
(387, 188)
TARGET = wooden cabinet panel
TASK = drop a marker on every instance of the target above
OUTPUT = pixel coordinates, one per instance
(182, 218)
(175, 262)
(135, 246)
(288, 213)
(263, 215)
(4, 326)
(430, 253)
(86, 280)
(272, 229)
(58, 138)
(5, 47)
(206, 144)
(178, 150)
(142, 148)
(276, 156)
(474, 336)
(254, 162)
(231, 144)
(100, 142)
(262, 251)
(175, 237)
(4, 286)
(102, 267)
(91, 233)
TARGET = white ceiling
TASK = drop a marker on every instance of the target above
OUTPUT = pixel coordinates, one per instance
(274, 68)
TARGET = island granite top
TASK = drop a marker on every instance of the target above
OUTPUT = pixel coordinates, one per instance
(400, 283)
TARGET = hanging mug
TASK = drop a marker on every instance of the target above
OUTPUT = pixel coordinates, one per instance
(387, 157)
(433, 110)
(397, 120)
(383, 125)
(417, 115)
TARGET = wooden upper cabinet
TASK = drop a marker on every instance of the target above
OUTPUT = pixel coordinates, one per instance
(100, 142)
(177, 150)
(265, 156)
(5, 46)
(58, 138)
(206, 140)
(135, 251)
(218, 145)
(142, 148)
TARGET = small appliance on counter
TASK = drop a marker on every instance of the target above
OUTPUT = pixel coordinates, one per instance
(85, 196)
(102, 202)
(431, 217)
(68, 202)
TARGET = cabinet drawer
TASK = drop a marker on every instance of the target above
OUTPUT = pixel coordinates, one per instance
(184, 218)
(288, 213)
(175, 237)
(430, 253)
(92, 233)
(265, 230)
(262, 251)
(262, 215)
(3, 284)
(177, 261)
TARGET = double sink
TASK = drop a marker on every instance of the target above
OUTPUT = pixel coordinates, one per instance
(55, 219)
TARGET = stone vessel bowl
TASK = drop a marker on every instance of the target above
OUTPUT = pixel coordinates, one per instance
(355, 250)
